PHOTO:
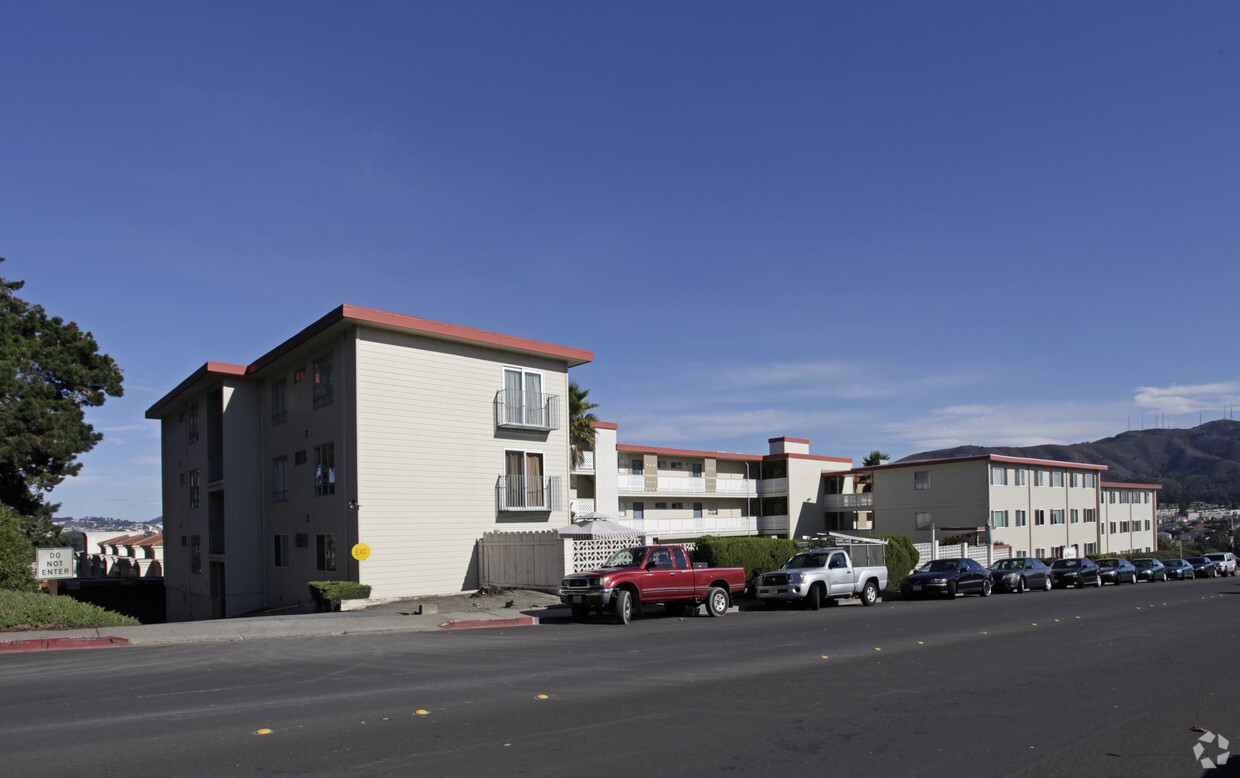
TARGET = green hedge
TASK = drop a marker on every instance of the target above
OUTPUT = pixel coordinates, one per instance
(902, 558)
(36, 610)
(756, 555)
(328, 594)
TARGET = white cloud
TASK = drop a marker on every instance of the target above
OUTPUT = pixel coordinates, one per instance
(1005, 425)
(1176, 399)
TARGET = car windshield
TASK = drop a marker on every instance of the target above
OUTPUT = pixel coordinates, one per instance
(939, 566)
(626, 557)
(802, 561)
(1143, 562)
(1009, 564)
(1172, 562)
(1108, 563)
(1197, 560)
(1061, 563)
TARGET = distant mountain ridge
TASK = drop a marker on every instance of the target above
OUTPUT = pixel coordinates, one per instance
(1201, 464)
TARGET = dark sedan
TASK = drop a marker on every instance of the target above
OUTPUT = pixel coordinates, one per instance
(1150, 569)
(948, 577)
(1117, 571)
(1203, 567)
(1020, 574)
(1177, 568)
(1075, 572)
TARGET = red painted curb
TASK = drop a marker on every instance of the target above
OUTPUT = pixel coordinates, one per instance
(527, 621)
(59, 644)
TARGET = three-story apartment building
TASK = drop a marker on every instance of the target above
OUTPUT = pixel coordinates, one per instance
(1038, 507)
(371, 447)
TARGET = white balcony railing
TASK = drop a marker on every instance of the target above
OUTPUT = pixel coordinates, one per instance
(772, 485)
(671, 485)
(578, 507)
(773, 524)
(527, 493)
(710, 525)
(586, 465)
(848, 502)
(737, 487)
(680, 485)
(527, 410)
(629, 484)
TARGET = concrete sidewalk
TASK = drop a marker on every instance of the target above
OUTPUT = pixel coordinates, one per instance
(371, 621)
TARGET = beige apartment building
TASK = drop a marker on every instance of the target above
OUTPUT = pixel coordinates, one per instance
(371, 447)
(673, 494)
(1038, 507)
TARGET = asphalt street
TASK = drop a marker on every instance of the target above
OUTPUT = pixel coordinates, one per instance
(1119, 681)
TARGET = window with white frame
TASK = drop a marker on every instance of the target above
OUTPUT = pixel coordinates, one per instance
(1040, 553)
(525, 485)
(1074, 479)
(1091, 515)
(1039, 517)
(922, 520)
(921, 479)
(1022, 519)
(712, 509)
(998, 519)
(998, 475)
(1039, 478)
(1074, 516)
(1089, 480)
(1021, 475)
(524, 403)
(1057, 516)
(1057, 478)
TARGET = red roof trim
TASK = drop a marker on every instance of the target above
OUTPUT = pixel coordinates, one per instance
(788, 440)
(605, 425)
(984, 457)
(814, 457)
(208, 369)
(684, 452)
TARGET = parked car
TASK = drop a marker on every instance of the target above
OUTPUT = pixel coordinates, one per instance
(948, 577)
(1149, 569)
(1117, 571)
(825, 575)
(1075, 572)
(1203, 567)
(1020, 574)
(1178, 568)
(1225, 560)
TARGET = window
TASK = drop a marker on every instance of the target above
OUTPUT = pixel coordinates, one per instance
(998, 475)
(1057, 552)
(697, 510)
(998, 518)
(1091, 548)
(1075, 479)
(299, 374)
(195, 496)
(280, 548)
(1147, 525)
(191, 423)
(1114, 530)
(712, 509)
(1124, 527)
(525, 484)
(1057, 516)
(1111, 496)
(1123, 497)
(678, 466)
(1147, 498)
(1040, 553)
(1057, 479)
(697, 470)
(660, 506)
(324, 391)
(325, 553)
(639, 510)
(279, 405)
(635, 467)
(1039, 518)
(1022, 519)
(921, 479)
(299, 457)
(1089, 480)
(279, 479)
(1020, 476)
(195, 554)
(921, 520)
(324, 469)
(1039, 478)
(1091, 515)
(523, 401)
(1074, 516)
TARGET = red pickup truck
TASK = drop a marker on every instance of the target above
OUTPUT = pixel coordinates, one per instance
(635, 577)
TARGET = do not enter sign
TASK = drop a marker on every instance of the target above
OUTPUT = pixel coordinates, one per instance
(52, 564)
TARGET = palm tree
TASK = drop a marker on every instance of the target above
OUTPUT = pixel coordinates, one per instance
(580, 422)
(875, 458)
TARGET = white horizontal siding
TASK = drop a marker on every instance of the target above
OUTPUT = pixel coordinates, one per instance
(429, 455)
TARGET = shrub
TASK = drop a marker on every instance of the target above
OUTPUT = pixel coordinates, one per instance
(902, 558)
(16, 557)
(756, 555)
(328, 594)
(35, 610)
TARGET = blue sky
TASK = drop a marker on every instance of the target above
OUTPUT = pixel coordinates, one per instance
(897, 225)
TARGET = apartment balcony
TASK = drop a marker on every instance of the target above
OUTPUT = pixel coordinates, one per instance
(586, 465)
(674, 485)
(712, 525)
(578, 507)
(518, 493)
(773, 525)
(848, 502)
(773, 486)
(527, 410)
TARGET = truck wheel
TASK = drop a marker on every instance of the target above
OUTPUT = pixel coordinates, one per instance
(869, 594)
(717, 601)
(814, 599)
(624, 606)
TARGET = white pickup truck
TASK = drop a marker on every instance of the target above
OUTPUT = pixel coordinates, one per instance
(825, 575)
